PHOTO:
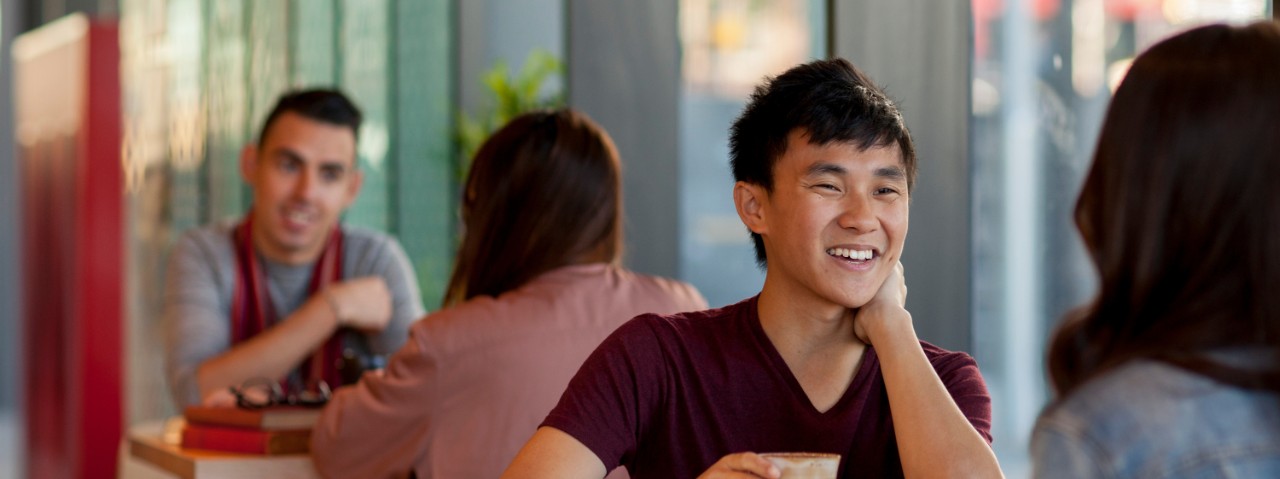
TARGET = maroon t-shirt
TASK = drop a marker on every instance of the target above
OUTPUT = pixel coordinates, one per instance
(668, 396)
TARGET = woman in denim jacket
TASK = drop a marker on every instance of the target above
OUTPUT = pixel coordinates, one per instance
(1172, 370)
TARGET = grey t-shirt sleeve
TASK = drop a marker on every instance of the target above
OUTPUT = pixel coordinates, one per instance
(195, 321)
(386, 258)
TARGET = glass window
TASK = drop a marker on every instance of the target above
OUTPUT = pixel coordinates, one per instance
(728, 47)
(496, 34)
(1043, 71)
(9, 424)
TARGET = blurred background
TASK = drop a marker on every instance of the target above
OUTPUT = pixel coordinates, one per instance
(121, 122)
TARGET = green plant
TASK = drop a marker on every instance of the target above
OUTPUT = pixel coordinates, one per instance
(511, 96)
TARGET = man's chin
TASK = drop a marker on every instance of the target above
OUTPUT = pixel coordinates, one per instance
(851, 301)
(856, 305)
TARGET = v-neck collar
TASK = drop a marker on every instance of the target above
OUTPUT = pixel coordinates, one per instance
(861, 377)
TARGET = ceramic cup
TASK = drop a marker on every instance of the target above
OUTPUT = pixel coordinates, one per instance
(805, 465)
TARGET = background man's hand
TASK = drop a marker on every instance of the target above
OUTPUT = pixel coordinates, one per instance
(361, 303)
(219, 398)
(743, 465)
(886, 310)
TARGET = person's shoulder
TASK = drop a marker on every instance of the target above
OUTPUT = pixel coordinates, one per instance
(478, 312)
(1170, 413)
(371, 252)
(211, 238)
(361, 238)
(661, 324)
(944, 359)
(219, 230)
(711, 322)
(683, 295)
(661, 282)
(1142, 391)
(690, 329)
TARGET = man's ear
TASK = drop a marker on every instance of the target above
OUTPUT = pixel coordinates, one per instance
(248, 162)
(749, 199)
(353, 186)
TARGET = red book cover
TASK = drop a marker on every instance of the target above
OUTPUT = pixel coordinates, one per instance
(246, 441)
(276, 418)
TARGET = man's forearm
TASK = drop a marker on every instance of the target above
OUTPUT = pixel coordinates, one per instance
(935, 439)
(272, 353)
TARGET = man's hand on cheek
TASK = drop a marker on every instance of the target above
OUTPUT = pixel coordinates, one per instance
(885, 316)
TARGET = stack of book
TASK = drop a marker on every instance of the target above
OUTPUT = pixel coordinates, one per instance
(273, 430)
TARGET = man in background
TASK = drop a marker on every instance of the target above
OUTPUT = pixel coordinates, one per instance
(286, 292)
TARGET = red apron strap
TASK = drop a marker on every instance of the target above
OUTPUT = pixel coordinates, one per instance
(252, 311)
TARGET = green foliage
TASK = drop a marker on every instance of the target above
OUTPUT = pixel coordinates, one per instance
(511, 96)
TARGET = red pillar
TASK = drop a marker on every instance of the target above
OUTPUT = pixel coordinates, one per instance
(67, 94)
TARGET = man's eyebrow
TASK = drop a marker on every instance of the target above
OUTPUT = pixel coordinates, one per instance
(887, 172)
(286, 152)
(891, 172)
(817, 169)
(290, 154)
(339, 164)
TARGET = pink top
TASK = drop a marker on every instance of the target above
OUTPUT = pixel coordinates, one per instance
(474, 381)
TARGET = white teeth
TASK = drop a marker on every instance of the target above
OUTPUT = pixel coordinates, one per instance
(851, 254)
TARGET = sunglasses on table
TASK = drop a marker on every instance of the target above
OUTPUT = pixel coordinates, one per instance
(258, 393)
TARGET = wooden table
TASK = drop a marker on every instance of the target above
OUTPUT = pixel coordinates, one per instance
(150, 450)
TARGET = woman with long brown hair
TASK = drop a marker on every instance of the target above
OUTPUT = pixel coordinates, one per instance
(535, 287)
(1173, 369)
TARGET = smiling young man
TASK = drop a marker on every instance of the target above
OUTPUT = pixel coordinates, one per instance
(285, 291)
(825, 359)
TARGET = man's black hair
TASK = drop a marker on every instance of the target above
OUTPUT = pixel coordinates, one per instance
(831, 101)
(327, 106)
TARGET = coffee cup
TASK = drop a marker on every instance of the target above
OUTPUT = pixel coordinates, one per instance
(805, 465)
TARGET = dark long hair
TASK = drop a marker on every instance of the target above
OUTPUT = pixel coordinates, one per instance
(1181, 213)
(543, 192)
